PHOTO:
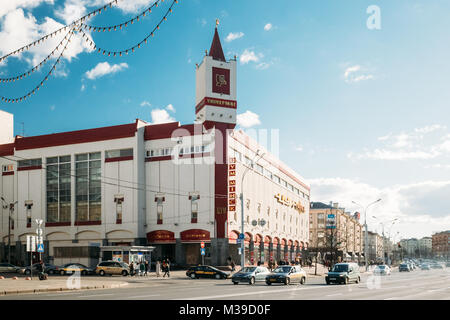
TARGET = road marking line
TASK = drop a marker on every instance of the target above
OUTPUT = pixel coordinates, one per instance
(335, 294)
(392, 298)
(143, 296)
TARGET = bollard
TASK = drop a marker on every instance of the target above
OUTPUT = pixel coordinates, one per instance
(27, 278)
(2, 277)
(15, 278)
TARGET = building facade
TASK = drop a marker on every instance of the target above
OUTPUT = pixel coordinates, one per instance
(168, 185)
(375, 247)
(441, 244)
(344, 235)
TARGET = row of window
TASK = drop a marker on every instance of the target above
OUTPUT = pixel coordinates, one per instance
(267, 173)
(161, 152)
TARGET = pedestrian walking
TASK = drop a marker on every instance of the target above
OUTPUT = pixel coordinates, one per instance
(233, 266)
(158, 268)
(166, 268)
(131, 269)
(141, 268)
(147, 268)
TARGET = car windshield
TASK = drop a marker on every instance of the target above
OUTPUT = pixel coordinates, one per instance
(248, 269)
(282, 270)
(403, 265)
(123, 264)
(340, 268)
(381, 267)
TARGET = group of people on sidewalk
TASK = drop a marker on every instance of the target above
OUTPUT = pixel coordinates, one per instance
(143, 268)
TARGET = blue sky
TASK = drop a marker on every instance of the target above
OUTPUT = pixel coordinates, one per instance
(362, 113)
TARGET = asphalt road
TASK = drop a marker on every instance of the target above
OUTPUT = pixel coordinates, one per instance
(416, 285)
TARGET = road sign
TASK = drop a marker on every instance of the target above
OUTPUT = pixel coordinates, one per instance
(241, 236)
(202, 251)
(202, 244)
(238, 241)
(40, 248)
(31, 243)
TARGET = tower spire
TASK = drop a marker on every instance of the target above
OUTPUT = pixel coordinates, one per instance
(216, 50)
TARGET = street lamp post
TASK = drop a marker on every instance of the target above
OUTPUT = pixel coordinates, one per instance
(242, 209)
(11, 210)
(382, 226)
(366, 237)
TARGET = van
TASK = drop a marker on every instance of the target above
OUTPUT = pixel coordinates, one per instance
(344, 273)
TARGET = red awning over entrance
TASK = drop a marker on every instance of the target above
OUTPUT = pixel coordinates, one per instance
(161, 236)
(195, 235)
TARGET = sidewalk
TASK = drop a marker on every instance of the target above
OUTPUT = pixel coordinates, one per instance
(10, 286)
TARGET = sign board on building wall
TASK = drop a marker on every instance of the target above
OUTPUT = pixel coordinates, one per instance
(331, 221)
(232, 185)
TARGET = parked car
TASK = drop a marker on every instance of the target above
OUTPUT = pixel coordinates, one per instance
(404, 267)
(287, 275)
(382, 270)
(71, 268)
(112, 267)
(49, 268)
(343, 273)
(206, 272)
(436, 265)
(9, 268)
(447, 264)
(425, 266)
(250, 275)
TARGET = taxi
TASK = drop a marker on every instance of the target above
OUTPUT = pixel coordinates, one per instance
(206, 272)
(112, 267)
(71, 268)
(287, 275)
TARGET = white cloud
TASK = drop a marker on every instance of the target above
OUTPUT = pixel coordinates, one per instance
(421, 207)
(145, 104)
(248, 119)
(233, 36)
(248, 56)
(353, 74)
(161, 116)
(263, 66)
(11, 5)
(268, 27)
(83, 87)
(299, 148)
(170, 107)
(421, 143)
(104, 68)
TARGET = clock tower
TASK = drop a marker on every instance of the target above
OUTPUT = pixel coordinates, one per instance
(216, 87)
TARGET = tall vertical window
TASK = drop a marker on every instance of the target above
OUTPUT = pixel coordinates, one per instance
(88, 186)
(58, 189)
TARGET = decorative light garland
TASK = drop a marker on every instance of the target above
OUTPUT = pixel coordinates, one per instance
(35, 68)
(124, 24)
(51, 35)
(20, 99)
(131, 49)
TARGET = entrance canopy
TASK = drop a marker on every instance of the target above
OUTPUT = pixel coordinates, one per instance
(126, 253)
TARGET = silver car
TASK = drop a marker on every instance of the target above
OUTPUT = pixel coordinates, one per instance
(250, 275)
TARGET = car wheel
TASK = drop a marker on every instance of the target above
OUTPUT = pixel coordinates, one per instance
(302, 280)
(124, 273)
(62, 272)
(268, 283)
(218, 276)
(327, 281)
(235, 283)
(193, 276)
(287, 281)
(102, 273)
(358, 280)
(84, 272)
(252, 281)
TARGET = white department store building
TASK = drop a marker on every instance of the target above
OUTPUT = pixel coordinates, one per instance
(169, 185)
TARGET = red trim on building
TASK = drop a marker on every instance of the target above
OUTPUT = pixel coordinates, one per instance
(195, 235)
(215, 102)
(161, 236)
(193, 220)
(159, 221)
(160, 131)
(116, 159)
(28, 225)
(276, 240)
(267, 239)
(57, 224)
(7, 149)
(8, 173)
(30, 168)
(87, 223)
(162, 158)
(118, 221)
(75, 137)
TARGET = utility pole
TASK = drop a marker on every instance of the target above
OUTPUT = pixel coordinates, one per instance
(11, 210)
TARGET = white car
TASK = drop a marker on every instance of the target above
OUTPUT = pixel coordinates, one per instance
(382, 270)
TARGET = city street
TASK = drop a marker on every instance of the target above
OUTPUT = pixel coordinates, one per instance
(416, 285)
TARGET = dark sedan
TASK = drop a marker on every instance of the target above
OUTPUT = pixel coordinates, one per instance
(9, 268)
(206, 272)
(404, 267)
(49, 268)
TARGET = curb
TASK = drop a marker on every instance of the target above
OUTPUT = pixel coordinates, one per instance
(24, 291)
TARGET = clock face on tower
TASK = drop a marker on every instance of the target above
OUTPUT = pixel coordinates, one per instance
(220, 80)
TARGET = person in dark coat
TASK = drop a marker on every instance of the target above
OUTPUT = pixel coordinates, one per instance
(147, 268)
(131, 269)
